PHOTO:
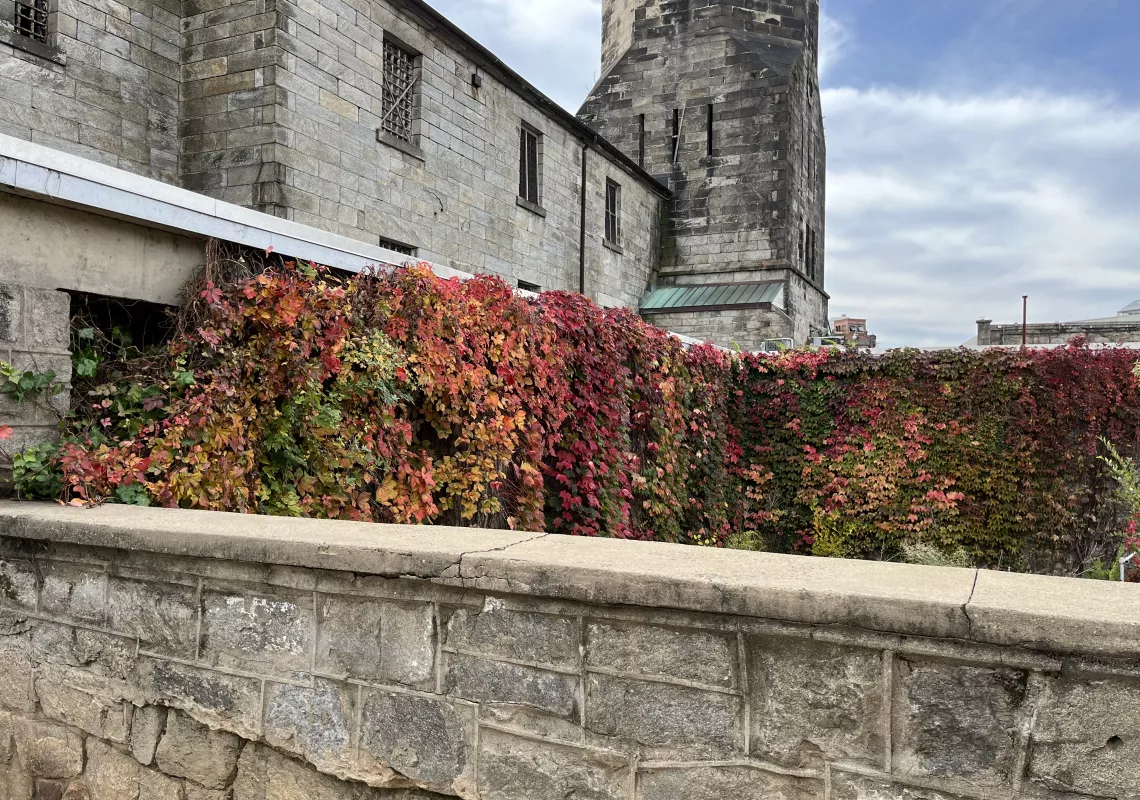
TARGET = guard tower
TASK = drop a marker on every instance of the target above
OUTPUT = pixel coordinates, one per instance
(720, 100)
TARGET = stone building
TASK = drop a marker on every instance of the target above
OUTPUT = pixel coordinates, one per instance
(1121, 329)
(380, 121)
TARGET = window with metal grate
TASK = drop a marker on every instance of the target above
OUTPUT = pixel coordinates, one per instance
(399, 91)
(32, 19)
(530, 169)
(397, 247)
(613, 212)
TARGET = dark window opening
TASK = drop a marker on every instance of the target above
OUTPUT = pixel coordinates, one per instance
(641, 141)
(402, 249)
(529, 172)
(526, 286)
(803, 235)
(711, 143)
(676, 141)
(398, 91)
(32, 19)
(613, 213)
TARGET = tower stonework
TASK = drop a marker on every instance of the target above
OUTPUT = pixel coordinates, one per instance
(720, 99)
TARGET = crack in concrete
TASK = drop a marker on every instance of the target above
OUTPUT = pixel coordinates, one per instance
(966, 605)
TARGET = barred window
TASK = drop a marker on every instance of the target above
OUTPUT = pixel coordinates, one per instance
(613, 212)
(397, 247)
(399, 91)
(32, 19)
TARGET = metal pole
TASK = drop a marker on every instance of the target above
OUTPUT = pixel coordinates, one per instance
(1024, 320)
(1124, 566)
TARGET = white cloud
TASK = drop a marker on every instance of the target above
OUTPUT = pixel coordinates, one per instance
(943, 209)
(834, 40)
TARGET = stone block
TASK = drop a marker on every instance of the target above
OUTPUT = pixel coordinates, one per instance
(707, 657)
(264, 774)
(1086, 738)
(226, 700)
(11, 313)
(18, 583)
(106, 653)
(74, 591)
(499, 631)
(378, 641)
(110, 774)
(846, 786)
(486, 681)
(190, 750)
(812, 700)
(7, 739)
(47, 750)
(662, 714)
(725, 783)
(425, 739)
(84, 700)
(316, 724)
(156, 786)
(262, 632)
(514, 768)
(17, 690)
(146, 729)
(956, 721)
(163, 616)
(49, 319)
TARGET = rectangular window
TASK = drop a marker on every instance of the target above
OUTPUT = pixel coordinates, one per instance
(641, 141)
(403, 249)
(710, 131)
(32, 19)
(398, 91)
(530, 170)
(526, 286)
(676, 141)
(613, 213)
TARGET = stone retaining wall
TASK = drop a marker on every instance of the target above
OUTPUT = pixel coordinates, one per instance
(177, 654)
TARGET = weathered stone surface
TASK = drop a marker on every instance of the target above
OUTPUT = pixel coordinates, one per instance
(190, 750)
(513, 768)
(259, 632)
(110, 774)
(377, 641)
(483, 680)
(156, 786)
(227, 700)
(813, 700)
(845, 786)
(83, 700)
(74, 590)
(660, 714)
(163, 616)
(7, 739)
(427, 740)
(317, 724)
(497, 630)
(18, 583)
(1087, 738)
(725, 783)
(146, 729)
(47, 750)
(113, 656)
(956, 721)
(707, 657)
(17, 690)
(77, 790)
(264, 774)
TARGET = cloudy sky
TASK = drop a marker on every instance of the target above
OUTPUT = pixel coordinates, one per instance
(979, 150)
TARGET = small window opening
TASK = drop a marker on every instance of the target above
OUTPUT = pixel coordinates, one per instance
(530, 173)
(403, 249)
(526, 286)
(676, 141)
(613, 212)
(398, 91)
(641, 141)
(709, 132)
(32, 19)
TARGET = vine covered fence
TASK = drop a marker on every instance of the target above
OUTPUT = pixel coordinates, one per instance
(407, 398)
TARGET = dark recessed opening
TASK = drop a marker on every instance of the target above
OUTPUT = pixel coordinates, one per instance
(1115, 743)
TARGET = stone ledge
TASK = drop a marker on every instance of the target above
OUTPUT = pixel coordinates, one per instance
(1057, 615)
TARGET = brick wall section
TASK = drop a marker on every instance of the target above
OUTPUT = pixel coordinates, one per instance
(203, 676)
(106, 87)
(35, 335)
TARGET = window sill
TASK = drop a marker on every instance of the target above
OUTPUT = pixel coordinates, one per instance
(399, 144)
(534, 208)
(613, 246)
(39, 49)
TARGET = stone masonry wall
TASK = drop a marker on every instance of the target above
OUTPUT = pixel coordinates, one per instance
(1059, 332)
(314, 660)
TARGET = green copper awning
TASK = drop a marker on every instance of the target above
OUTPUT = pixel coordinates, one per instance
(669, 299)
